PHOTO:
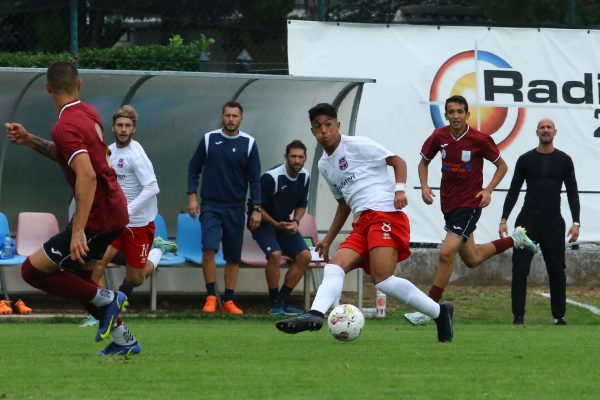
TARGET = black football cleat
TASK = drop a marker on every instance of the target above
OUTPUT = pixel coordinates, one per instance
(301, 323)
(445, 323)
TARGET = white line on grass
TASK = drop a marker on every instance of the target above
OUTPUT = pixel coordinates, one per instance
(589, 307)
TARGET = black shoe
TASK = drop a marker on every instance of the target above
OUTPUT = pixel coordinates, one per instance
(518, 320)
(445, 323)
(301, 323)
(559, 321)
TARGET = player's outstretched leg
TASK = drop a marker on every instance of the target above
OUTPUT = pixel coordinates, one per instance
(305, 322)
(110, 313)
(445, 322)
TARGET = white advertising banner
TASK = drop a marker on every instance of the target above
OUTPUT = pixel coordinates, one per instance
(511, 78)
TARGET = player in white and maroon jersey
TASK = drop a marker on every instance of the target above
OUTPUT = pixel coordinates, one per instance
(136, 177)
(463, 151)
(356, 170)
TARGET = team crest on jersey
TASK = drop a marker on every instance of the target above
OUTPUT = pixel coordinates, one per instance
(343, 164)
(120, 163)
(466, 155)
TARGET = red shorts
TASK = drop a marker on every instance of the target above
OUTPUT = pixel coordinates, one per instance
(379, 229)
(135, 242)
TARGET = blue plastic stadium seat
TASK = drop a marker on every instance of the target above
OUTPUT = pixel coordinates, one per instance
(13, 261)
(161, 230)
(189, 240)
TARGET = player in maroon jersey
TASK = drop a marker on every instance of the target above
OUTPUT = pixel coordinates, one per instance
(62, 267)
(463, 151)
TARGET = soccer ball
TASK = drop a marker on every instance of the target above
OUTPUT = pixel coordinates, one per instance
(345, 322)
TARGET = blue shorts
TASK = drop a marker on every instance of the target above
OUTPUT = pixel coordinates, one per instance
(462, 221)
(223, 225)
(271, 240)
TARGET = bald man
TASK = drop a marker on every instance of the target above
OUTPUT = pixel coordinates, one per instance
(545, 169)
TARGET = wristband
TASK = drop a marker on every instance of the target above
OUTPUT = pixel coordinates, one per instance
(400, 187)
(576, 224)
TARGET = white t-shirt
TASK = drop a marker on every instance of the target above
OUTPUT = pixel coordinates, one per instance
(134, 173)
(357, 172)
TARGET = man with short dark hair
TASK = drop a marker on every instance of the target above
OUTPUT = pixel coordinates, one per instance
(463, 151)
(356, 170)
(284, 190)
(62, 267)
(229, 162)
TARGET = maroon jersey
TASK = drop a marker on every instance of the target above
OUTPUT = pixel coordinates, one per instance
(79, 130)
(462, 165)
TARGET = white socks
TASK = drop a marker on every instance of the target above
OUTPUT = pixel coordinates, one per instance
(154, 256)
(122, 336)
(330, 289)
(103, 297)
(408, 293)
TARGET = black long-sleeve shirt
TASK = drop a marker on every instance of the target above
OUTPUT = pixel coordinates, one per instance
(544, 174)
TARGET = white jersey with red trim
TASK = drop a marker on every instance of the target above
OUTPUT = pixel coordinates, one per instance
(357, 172)
(136, 173)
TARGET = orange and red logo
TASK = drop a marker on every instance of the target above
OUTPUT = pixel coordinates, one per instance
(459, 75)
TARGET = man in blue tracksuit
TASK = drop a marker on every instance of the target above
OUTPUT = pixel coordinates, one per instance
(284, 194)
(229, 162)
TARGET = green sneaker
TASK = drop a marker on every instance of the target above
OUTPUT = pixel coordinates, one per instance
(165, 245)
(88, 322)
(522, 241)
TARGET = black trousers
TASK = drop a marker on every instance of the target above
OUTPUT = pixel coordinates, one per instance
(549, 231)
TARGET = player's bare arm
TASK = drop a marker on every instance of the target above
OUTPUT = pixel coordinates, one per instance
(486, 194)
(294, 225)
(266, 217)
(399, 166)
(341, 215)
(426, 193)
(85, 189)
(17, 134)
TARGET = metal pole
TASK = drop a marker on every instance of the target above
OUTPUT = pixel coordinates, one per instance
(321, 10)
(571, 12)
(74, 39)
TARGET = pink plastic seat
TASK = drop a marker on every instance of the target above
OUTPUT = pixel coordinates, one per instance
(33, 230)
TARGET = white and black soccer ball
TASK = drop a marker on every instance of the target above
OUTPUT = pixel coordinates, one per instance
(345, 322)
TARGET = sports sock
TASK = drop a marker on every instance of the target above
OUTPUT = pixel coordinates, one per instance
(273, 292)
(330, 289)
(503, 244)
(122, 336)
(103, 297)
(211, 289)
(284, 293)
(154, 256)
(408, 293)
(228, 295)
(61, 283)
(127, 287)
(436, 292)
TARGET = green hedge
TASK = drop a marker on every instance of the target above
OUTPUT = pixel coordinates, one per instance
(153, 58)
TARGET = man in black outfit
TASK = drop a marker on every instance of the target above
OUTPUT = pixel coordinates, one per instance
(544, 168)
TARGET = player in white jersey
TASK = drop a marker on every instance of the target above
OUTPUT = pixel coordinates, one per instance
(356, 170)
(136, 177)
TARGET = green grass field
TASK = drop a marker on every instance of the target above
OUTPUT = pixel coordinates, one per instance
(190, 357)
